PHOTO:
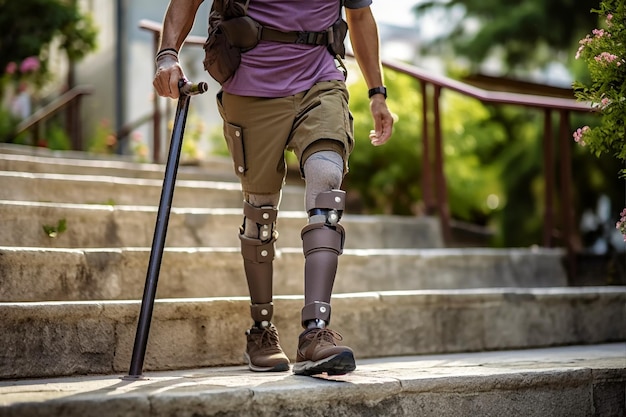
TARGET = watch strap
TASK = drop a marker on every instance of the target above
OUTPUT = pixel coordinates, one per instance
(377, 90)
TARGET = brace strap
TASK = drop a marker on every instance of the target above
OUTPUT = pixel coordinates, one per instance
(261, 312)
(256, 250)
(329, 204)
(319, 236)
(260, 215)
(333, 199)
(316, 310)
(265, 219)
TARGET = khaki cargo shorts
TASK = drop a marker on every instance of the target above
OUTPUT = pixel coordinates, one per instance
(259, 130)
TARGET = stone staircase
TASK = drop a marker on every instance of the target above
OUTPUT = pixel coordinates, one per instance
(69, 306)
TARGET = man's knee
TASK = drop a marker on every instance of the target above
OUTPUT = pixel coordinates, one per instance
(323, 173)
(324, 231)
(258, 233)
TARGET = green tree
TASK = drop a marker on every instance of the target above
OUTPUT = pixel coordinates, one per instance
(29, 27)
(527, 34)
(387, 179)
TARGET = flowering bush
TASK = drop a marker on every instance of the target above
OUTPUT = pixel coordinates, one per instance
(16, 81)
(25, 71)
(621, 224)
(604, 52)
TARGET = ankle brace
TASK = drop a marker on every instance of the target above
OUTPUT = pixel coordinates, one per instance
(262, 314)
(316, 310)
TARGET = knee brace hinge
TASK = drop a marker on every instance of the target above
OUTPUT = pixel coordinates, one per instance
(264, 217)
(329, 204)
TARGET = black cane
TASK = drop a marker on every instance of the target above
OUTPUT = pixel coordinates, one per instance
(186, 90)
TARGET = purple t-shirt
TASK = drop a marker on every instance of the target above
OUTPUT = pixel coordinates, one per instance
(274, 69)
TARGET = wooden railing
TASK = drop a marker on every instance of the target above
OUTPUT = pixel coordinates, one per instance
(68, 101)
(434, 189)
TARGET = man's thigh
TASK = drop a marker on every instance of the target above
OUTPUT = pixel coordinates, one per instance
(256, 132)
(323, 123)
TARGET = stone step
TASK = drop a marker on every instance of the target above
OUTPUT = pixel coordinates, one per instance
(93, 189)
(64, 338)
(213, 168)
(572, 381)
(90, 226)
(42, 274)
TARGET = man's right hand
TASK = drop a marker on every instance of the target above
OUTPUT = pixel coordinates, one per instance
(168, 74)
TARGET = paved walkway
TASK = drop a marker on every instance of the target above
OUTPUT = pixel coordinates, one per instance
(554, 372)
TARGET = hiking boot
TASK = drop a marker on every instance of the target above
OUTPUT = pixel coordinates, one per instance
(263, 351)
(318, 353)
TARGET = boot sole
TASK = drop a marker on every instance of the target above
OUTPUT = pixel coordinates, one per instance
(339, 364)
(280, 367)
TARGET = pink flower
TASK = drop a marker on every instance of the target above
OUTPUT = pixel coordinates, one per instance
(579, 133)
(30, 64)
(600, 33)
(609, 17)
(11, 68)
(584, 41)
(607, 58)
(580, 51)
(621, 224)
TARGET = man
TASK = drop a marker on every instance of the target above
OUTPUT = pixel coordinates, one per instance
(290, 95)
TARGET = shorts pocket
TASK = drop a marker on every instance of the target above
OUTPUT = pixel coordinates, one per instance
(234, 140)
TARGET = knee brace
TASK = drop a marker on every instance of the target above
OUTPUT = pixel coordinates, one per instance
(260, 249)
(322, 243)
(258, 254)
(329, 206)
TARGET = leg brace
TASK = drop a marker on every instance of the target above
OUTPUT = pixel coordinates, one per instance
(258, 254)
(322, 243)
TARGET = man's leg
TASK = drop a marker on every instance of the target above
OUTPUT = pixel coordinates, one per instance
(257, 236)
(256, 130)
(322, 241)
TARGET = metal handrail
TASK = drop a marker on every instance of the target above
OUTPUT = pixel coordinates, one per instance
(52, 107)
(486, 96)
(563, 106)
(69, 98)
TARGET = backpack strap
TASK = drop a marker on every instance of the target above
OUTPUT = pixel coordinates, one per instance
(303, 38)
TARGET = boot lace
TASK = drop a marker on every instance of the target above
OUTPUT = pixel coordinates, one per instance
(268, 341)
(325, 336)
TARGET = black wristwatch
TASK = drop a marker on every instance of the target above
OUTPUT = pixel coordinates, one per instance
(377, 90)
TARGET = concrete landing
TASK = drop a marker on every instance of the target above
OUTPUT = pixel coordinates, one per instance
(567, 381)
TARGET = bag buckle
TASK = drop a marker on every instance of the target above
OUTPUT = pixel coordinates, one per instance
(302, 37)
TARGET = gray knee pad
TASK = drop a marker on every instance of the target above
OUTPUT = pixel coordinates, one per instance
(323, 171)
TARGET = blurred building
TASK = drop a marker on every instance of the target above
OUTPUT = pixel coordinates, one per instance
(122, 68)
